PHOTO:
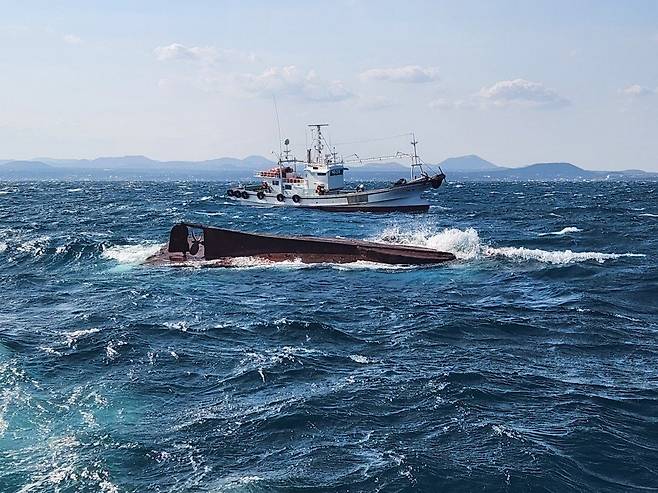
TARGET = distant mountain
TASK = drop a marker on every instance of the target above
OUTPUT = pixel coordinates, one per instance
(24, 167)
(134, 168)
(143, 163)
(467, 164)
(469, 167)
(546, 171)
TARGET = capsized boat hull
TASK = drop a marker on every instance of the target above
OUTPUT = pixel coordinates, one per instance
(194, 242)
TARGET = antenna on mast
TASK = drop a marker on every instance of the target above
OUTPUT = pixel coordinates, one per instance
(318, 142)
(415, 160)
(278, 125)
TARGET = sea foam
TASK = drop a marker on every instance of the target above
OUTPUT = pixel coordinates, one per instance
(467, 245)
(564, 231)
(131, 254)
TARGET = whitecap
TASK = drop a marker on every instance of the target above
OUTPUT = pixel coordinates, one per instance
(563, 231)
(207, 197)
(181, 325)
(648, 214)
(464, 244)
(210, 213)
(554, 256)
(110, 352)
(131, 254)
(73, 336)
(360, 359)
(36, 247)
(501, 430)
(3, 246)
(467, 245)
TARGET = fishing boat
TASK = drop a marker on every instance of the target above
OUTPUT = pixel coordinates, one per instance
(321, 183)
(189, 243)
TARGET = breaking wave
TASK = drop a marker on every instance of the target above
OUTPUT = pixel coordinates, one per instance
(564, 231)
(131, 254)
(467, 245)
(464, 244)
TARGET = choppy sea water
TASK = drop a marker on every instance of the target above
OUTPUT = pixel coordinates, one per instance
(531, 363)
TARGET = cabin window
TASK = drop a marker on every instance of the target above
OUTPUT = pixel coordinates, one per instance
(287, 187)
(322, 174)
(275, 182)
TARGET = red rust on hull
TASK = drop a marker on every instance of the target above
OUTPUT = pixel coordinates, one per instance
(220, 244)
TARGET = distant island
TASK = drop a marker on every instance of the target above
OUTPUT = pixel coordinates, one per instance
(462, 168)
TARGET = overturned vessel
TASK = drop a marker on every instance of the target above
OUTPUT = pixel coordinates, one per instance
(321, 184)
(196, 242)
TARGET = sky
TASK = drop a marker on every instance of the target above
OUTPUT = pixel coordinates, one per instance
(515, 82)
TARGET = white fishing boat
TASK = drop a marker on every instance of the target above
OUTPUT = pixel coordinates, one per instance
(321, 184)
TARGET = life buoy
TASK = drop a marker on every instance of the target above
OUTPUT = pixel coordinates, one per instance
(245, 195)
(260, 195)
(280, 197)
(229, 192)
(296, 199)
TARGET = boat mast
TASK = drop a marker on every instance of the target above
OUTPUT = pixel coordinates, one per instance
(415, 160)
(319, 146)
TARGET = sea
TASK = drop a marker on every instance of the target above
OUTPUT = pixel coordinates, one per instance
(528, 364)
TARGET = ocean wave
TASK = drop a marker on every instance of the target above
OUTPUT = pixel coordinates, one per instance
(648, 214)
(34, 247)
(554, 256)
(73, 336)
(467, 245)
(131, 254)
(464, 244)
(563, 231)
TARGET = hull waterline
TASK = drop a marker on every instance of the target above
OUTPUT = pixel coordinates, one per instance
(194, 242)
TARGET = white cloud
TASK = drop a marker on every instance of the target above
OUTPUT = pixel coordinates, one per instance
(294, 82)
(637, 91)
(72, 39)
(204, 54)
(521, 92)
(408, 74)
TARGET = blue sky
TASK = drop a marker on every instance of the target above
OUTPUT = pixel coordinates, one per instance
(514, 82)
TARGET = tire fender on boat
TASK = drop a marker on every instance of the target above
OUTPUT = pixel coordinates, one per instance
(260, 195)
(280, 197)
(229, 192)
(245, 195)
(296, 199)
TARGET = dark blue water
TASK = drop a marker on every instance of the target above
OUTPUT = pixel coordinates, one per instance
(529, 364)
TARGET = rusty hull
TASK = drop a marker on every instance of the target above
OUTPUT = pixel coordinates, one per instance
(195, 242)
